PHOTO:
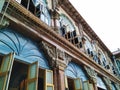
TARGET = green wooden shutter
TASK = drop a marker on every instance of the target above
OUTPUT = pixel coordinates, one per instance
(78, 84)
(86, 85)
(32, 80)
(5, 71)
(1, 4)
(91, 86)
(49, 80)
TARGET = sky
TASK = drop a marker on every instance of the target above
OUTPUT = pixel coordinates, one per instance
(103, 16)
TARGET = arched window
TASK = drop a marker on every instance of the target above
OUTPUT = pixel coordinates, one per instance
(102, 57)
(38, 8)
(65, 24)
(42, 10)
(88, 46)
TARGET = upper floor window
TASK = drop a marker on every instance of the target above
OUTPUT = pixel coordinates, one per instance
(38, 8)
(88, 46)
(65, 25)
(102, 57)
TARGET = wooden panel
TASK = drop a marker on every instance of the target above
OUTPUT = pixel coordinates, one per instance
(91, 86)
(78, 84)
(86, 85)
(5, 71)
(32, 81)
(49, 80)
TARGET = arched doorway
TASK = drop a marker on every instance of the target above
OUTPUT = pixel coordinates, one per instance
(75, 76)
(26, 53)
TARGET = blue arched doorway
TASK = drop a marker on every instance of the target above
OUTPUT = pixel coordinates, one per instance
(75, 76)
(24, 48)
(26, 52)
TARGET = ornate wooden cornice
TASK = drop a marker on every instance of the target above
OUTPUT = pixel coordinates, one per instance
(28, 24)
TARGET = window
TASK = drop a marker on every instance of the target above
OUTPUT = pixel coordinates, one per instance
(38, 8)
(66, 24)
(49, 80)
(32, 81)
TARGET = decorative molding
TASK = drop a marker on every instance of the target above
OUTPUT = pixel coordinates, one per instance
(57, 57)
(107, 82)
(68, 59)
(91, 74)
(50, 52)
(60, 54)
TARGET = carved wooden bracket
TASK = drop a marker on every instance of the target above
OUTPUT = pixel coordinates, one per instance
(107, 82)
(4, 23)
(57, 57)
(62, 59)
(50, 52)
(60, 54)
(91, 74)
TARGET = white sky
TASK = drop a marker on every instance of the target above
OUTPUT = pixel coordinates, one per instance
(103, 16)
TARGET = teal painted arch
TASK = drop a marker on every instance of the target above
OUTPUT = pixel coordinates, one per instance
(65, 20)
(73, 70)
(12, 41)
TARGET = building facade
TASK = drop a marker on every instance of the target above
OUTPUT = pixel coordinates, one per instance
(47, 45)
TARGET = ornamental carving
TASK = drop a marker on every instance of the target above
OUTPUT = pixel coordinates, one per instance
(68, 59)
(50, 52)
(91, 74)
(57, 57)
(107, 82)
(62, 59)
(60, 55)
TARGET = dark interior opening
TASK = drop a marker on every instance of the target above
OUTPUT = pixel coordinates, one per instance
(100, 88)
(71, 84)
(24, 3)
(41, 79)
(18, 78)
